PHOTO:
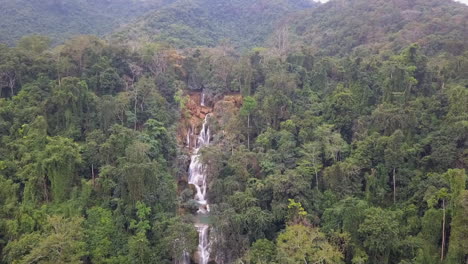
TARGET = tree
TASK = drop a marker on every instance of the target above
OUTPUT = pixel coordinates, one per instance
(302, 244)
(296, 214)
(345, 218)
(180, 237)
(249, 105)
(34, 44)
(9, 66)
(332, 144)
(110, 82)
(142, 179)
(80, 49)
(394, 156)
(262, 251)
(311, 161)
(380, 231)
(100, 232)
(59, 161)
(341, 110)
(281, 41)
(92, 152)
(431, 236)
(458, 248)
(67, 106)
(8, 203)
(399, 80)
(139, 245)
(159, 139)
(443, 195)
(61, 243)
(275, 98)
(387, 118)
(147, 102)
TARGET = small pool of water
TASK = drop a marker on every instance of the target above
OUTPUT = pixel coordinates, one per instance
(203, 219)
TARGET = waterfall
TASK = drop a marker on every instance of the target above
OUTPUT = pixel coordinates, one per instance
(189, 135)
(202, 101)
(197, 177)
(203, 243)
(185, 258)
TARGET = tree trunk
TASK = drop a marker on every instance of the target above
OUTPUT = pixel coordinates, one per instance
(316, 179)
(81, 64)
(46, 194)
(394, 186)
(92, 174)
(443, 231)
(136, 97)
(248, 131)
(11, 84)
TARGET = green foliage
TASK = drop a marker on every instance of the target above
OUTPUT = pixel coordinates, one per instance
(61, 156)
(458, 249)
(301, 243)
(296, 211)
(139, 245)
(344, 26)
(179, 237)
(100, 232)
(262, 251)
(72, 148)
(208, 23)
(348, 146)
(63, 19)
(62, 242)
(380, 233)
(248, 106)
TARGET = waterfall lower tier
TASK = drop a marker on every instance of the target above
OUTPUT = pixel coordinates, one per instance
(197, 177)
(203, 243)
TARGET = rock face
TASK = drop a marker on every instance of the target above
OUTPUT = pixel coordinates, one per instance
(192, 118)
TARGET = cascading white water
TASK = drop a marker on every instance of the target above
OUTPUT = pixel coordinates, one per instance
(203, 243)
(197, 177)
(202, 101)
(188, 139)
(185, 258)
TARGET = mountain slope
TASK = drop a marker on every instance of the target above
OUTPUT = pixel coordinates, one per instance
(340, 26)
(206, 22)
(60, 19)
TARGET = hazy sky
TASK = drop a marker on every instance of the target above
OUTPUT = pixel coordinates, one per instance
(461, 1)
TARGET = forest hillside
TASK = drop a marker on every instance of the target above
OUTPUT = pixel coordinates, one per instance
(183, 24)
(233, 131)
(62, 19)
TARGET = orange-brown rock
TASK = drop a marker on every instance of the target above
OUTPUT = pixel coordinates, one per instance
(224, 107)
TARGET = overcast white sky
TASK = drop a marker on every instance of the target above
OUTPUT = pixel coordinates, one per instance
(461, 1)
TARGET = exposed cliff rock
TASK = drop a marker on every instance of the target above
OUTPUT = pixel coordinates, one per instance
(222, 107)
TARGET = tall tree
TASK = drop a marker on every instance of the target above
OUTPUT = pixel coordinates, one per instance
(302, 244)
(248, 107)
